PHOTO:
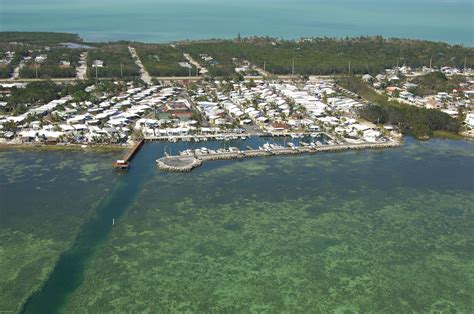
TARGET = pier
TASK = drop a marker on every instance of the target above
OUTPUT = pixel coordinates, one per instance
(188, 163)
(123, 164)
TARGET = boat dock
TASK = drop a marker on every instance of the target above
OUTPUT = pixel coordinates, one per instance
(123, 164)
(188, 163)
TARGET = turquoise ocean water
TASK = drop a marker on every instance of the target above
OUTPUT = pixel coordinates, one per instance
(167, 20)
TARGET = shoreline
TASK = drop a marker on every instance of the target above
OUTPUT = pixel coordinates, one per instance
(69, 147)
(114, 147)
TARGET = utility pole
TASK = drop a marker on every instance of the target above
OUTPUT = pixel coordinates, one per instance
(349, 67)
(431, 62)
(190, 71)
(465, 63)
(36, 70)
(264, 66)
(121, 69)
(96, 73)
(293, 68)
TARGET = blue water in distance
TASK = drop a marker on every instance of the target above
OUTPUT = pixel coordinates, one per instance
(168, 20)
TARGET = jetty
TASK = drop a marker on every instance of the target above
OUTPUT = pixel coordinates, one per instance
(123, 164)
(190, 162)
(178, 163)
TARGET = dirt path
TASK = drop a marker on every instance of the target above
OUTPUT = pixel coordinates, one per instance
(143, 72)
(202, 70)
(81, 70)
(16, 71)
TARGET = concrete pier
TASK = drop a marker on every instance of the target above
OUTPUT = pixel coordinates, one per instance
(188, 163)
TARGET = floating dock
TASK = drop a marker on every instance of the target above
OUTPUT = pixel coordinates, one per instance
(188, 163)
(124, 164)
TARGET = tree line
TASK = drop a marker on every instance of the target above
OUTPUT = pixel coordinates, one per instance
(327, 56)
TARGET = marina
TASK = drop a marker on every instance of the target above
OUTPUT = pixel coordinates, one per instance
(191, 159)
(185, 164)
(277, 144)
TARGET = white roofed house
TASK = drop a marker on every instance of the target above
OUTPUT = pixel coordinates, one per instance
(80, 127)
(409, 85)
(442, 96)
(407, 96)
(29, 135)
(368, 78)
(117, 122)
(40, 136)
(64, 64)
(79, 119)
(147, 126)
(357, 130)
(380, 77)
(67, 128)
(371, 135)
(41, 58)
(98, 64)
(470, 120)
